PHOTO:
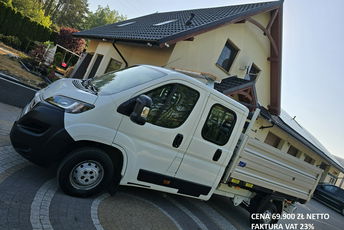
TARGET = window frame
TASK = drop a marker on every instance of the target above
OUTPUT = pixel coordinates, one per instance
(280, 142)
(291, 147)
(252, 75)
(175, 84)
(231, 130)
(127, 107)
(232, 60)
(308, 159)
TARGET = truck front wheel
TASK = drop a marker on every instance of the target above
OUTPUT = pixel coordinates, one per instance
(85, 172)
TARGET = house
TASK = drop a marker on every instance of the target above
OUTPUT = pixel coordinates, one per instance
(241, 45)
(340, 179)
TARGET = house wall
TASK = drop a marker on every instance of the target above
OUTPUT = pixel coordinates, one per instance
(202, 53)
(132, 54)
(340, 181)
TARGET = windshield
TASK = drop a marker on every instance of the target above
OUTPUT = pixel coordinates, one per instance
(114, 82)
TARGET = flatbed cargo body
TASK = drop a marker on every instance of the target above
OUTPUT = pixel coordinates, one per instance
(266, 167)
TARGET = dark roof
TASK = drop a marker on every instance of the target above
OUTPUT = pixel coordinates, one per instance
(144, 29)
(232, 84)
(277, 120)
(340, 160)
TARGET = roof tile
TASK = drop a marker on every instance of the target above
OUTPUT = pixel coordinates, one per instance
(143, 29)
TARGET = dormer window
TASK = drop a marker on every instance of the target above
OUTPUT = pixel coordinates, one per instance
(126, 24)
(165, 22)
(227, 56)
(254, 72)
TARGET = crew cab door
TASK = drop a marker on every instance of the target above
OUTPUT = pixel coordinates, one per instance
(156, 148)
(211, 146)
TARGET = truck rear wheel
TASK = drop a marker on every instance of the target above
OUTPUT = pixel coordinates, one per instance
(85, 172)
(265, 210)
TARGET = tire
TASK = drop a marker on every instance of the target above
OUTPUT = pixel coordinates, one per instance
(268, 208)
(85, 172)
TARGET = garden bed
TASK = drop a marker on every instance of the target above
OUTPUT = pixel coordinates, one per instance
(10, 65)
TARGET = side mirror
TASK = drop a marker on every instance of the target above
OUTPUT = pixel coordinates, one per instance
(141, 110)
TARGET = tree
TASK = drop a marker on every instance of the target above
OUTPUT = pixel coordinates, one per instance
(32, 9)
(70, 13)
(66, 39)
(103, 16)
(7, 2)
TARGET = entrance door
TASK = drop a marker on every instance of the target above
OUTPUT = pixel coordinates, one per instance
(155, 149)
(211, 146)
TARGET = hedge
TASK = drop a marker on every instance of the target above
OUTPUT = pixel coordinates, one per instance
(11, 41)
(14, 23)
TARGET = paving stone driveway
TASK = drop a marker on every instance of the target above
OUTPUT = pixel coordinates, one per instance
(31, 199)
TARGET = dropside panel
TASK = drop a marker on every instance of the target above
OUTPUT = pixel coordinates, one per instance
(270, 168)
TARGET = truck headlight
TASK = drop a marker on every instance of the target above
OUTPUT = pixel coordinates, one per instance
(70, 105)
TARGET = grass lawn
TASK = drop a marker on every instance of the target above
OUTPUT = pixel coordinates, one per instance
(11, 66)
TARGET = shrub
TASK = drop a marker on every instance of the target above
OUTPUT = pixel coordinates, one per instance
(58, 59)
(27, 44)
(38, 52)
(66, 39)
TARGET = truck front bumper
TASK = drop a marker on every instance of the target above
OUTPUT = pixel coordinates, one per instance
(39, 134)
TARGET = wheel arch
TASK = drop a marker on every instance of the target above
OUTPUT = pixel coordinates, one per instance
(117, 155)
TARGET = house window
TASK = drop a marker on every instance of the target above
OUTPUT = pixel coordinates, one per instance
(323, 166)
(126, 24)
(273, 140)
(113, 65)
(332, 179)
(165, 22)
(293, 151)
(309, 160)
(254, 72)
(227, 56)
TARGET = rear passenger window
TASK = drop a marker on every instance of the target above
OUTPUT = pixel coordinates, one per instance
(219, 125)
(172, 105)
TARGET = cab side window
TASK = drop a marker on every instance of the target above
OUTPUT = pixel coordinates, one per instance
(172, 105)
(219, 125)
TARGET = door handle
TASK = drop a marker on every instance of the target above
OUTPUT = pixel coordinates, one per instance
(177, 140)
(217, 155)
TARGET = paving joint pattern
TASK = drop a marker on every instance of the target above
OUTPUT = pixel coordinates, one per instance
(200, 224)
(162, 210)
(39, 215)
(94, 210)
(17, 192)
(9, 158)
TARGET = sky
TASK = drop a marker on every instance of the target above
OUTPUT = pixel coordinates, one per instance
(313, 48)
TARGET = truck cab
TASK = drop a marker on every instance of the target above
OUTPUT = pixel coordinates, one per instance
(142, 126)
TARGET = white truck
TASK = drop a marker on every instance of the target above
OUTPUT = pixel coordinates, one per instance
(160, 129)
